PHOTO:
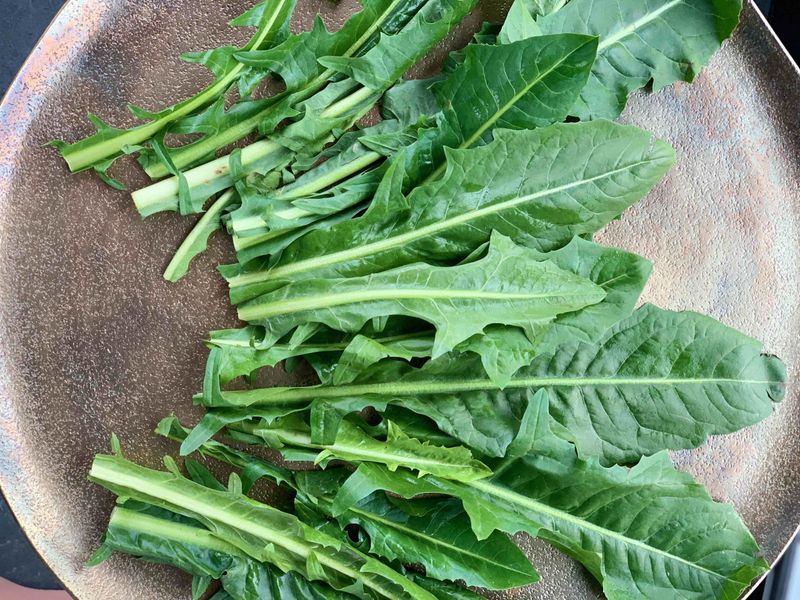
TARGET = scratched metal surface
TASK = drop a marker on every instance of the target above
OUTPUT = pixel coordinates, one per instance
(94, 341)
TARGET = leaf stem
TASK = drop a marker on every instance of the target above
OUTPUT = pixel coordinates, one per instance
(115, 471)
(206, 225)
(186, 155)
(83, 157)
(192, 152)
(212, 177)
(138, 522)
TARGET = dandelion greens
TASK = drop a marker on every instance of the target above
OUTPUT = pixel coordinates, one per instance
(483, 368)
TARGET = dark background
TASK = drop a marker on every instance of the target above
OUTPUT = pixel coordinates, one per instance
(24, 21)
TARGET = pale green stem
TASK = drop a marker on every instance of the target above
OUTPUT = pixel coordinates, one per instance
(105, 469)
(85, 157)
(177, 266)
(142, 523)
(182, 157)
(215, 175)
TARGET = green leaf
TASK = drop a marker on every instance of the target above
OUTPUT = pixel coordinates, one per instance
(200, 553)
(435, 533)
(188, 191)
(621, 274)
(646, 532)
(212, 422)
(310, 196)
(544, 7)
(200, 474)
(158, 539)
(252, 467)
(325, 116)
(228, 361)
(99, 556)
(657, 380)
(519, 23)
(380, 66)
(109, 143)
(354, 444)
(296, 60)
(217, 60)
(540, 187)
(409, 100)
(261, 532)
(444, 590)
(506, 287)
(200, 585)
(531, 83)
(197, 240)
(504, 350)
(659, 40)
(255, 248)
(401, 450)
(363, 351)
(552, 71)
(240, 352)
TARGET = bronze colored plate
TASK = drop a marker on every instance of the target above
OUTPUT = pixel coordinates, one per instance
(94, 341)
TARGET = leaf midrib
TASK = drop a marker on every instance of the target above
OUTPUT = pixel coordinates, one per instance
(427, 387)
(171, 530)
(260, 310)
(321, 347)
(636, 25)
(304, 441)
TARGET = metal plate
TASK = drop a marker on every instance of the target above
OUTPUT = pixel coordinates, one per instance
(94, 341)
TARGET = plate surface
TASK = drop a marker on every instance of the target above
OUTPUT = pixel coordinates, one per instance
(94, 341)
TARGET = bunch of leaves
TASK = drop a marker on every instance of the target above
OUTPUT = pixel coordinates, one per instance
(427, 532)
(161, 536)
(643, 532)
(657, 380)
(338, 181)
(99, 151)
(540, 187)
(340, 358)
(511, 285)
(167, 535)
(553, 70)
(648, 531)
(464, 305)
(482, 92)
(318, 111)
(254, 548)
